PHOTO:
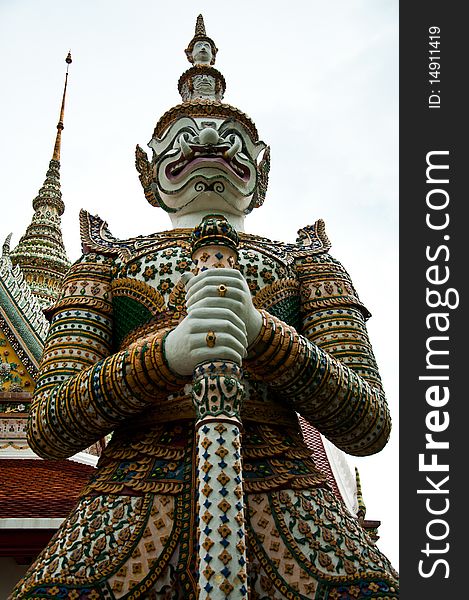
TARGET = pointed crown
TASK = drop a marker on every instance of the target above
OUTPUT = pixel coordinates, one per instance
(202, 88)
(199, 36)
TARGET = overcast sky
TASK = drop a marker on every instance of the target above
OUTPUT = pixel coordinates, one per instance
(318, 78)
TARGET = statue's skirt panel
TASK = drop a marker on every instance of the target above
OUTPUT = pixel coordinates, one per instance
(302, 541)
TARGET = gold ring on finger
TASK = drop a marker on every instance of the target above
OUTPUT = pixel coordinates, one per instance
(222, 290)
(210, 339)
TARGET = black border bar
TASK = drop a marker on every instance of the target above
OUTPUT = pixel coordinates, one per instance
(434, 357)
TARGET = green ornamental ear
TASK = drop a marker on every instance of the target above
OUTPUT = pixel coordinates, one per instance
(263, 169)
(145, 175)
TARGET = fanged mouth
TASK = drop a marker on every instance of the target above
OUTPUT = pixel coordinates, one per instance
(200, 154)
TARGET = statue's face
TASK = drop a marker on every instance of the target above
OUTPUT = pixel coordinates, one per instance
(205, 163)
(204, 85)
(202, 53)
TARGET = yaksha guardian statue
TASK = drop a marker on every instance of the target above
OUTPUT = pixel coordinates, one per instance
(197, 348)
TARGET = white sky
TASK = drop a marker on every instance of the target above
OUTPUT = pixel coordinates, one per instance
(318, 78)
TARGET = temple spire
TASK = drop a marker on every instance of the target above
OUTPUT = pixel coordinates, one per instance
(60, 124)
(41, 253)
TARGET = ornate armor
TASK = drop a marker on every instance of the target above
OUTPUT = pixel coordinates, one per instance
(133, 531)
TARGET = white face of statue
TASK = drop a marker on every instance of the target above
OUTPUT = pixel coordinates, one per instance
(202, 53)
(206, 163)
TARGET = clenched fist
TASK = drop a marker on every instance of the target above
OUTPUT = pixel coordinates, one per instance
(218, 301)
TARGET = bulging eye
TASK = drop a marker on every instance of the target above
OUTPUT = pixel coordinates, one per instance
(231, 138)
(184, 137)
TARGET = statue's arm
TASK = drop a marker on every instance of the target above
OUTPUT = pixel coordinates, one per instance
(328, 372)
(84, 389)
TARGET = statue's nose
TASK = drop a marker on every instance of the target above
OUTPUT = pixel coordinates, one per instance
(208, 136)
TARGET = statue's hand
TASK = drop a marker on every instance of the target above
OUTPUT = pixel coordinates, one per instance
(232, 317)
(204, 290)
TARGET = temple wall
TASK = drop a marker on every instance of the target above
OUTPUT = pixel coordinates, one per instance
(10, 574)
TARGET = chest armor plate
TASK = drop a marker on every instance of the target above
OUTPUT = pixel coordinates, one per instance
(146, 290)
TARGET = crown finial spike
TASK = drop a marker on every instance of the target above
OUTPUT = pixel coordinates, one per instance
(200, 26)
(60, 124)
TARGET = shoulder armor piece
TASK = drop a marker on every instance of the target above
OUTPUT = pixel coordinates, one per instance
(326, 283)
(311, 239)
(96, 237)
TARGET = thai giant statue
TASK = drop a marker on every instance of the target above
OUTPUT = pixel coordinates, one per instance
(197, 348)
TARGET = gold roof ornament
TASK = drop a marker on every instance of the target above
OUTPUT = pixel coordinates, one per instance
(60, 124)
(361, 513)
